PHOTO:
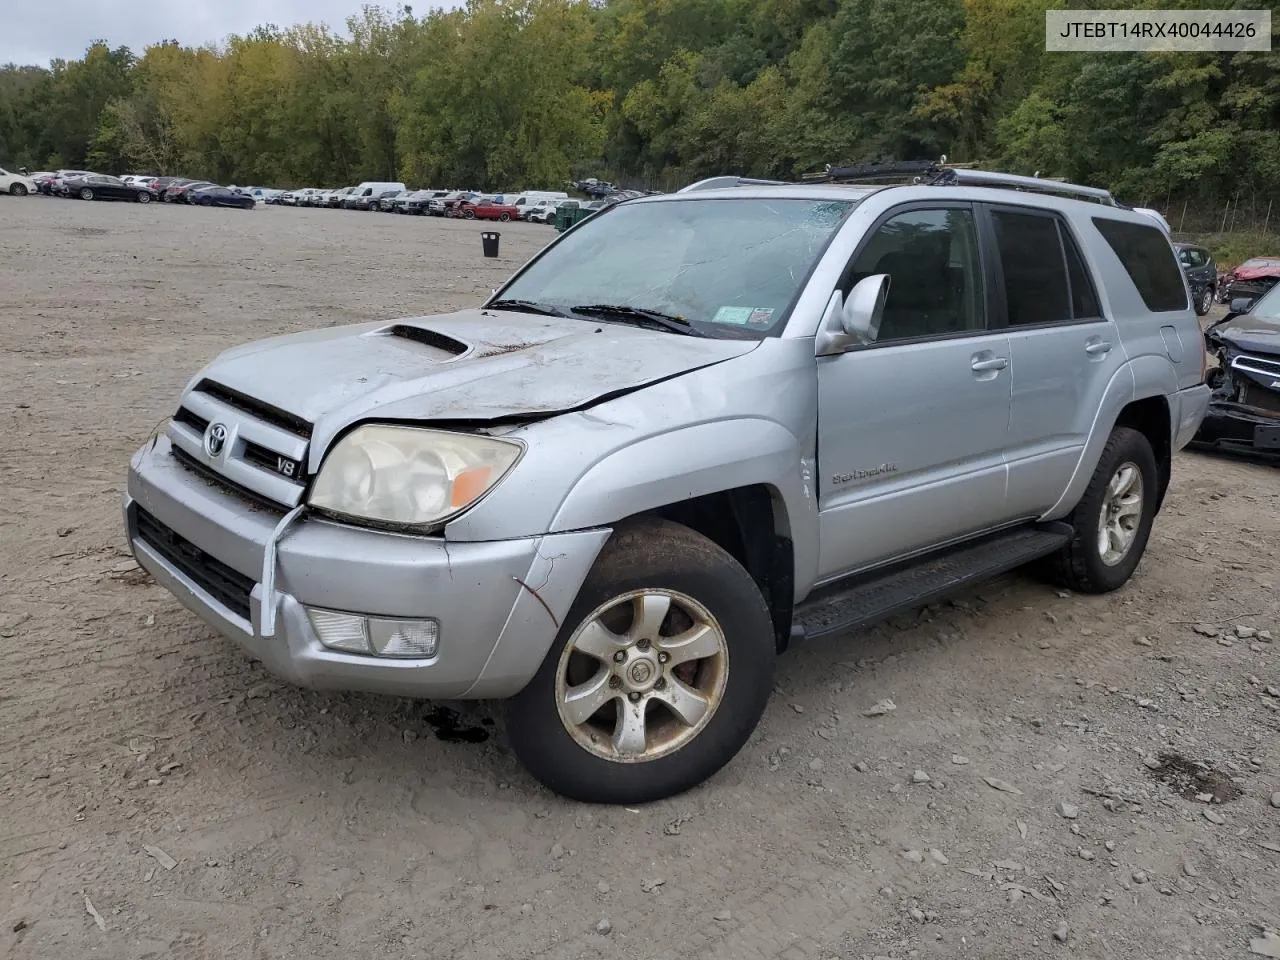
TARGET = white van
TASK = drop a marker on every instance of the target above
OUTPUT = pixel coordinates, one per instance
(374, 188)
(526, 200)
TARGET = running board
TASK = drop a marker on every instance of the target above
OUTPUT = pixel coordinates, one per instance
(850, 604)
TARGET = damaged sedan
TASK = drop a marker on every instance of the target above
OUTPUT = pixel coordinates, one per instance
(1245, 410)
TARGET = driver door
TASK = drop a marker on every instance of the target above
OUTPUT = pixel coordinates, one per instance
(912, 428)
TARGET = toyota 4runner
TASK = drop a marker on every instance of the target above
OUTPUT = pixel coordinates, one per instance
(694, 428)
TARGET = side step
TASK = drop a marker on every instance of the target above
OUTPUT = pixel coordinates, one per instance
(858, 602)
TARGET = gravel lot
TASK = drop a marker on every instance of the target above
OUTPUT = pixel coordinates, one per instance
(313, 826)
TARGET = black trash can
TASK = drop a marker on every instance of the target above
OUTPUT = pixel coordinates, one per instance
(490, 241)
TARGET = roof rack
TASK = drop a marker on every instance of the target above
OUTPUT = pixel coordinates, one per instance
(943, 174)
(719, 183)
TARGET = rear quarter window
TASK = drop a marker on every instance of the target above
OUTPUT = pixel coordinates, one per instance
(1146, 256)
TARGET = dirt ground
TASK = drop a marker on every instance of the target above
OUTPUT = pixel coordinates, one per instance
(308, 825)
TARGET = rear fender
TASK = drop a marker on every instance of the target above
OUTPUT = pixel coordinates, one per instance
(1118, 394)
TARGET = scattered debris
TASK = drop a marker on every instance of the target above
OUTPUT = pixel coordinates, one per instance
(1012, 866)
(723, 916)
(1026, 891)
(160, 856)
(1206, 631)
(881, 708)
(959, 759)
(672, 827)
(1022, 828)
(20, 924)
(650, 886)
(1003, 786)
(93, 912)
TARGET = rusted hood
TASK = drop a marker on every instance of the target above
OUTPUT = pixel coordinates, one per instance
(474, 365)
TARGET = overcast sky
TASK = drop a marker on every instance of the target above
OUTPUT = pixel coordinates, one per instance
(40, 34)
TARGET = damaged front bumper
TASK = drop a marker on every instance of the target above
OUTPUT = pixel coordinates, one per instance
(498, 605)
(1244, 412)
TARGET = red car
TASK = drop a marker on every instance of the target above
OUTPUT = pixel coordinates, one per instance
(1253, 278)
(488, 210)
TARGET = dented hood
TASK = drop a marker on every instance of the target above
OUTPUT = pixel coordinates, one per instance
(477, 365)
(1252, 270)
(1250, 332)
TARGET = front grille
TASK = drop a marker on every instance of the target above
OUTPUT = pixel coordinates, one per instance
(1260, 398)
(286, 467)
(227, 586)
(249, 497)
(193, 420)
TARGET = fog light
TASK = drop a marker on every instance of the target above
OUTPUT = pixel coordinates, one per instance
(340, 631)
(404, 638)
(377, 636)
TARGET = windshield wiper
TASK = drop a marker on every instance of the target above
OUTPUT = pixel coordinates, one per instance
(527, 306)
(623, 312)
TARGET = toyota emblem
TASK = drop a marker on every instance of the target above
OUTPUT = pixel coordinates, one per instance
(215, 438)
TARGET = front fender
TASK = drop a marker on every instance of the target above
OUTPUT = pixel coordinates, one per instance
(685, 463)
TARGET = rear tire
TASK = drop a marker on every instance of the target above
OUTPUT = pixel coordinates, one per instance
(504, 217)
(1107, 508)
(633, 748)
(1204, 302)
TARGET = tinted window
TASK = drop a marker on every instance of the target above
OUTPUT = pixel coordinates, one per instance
(1084, 298)
(1144, 254)
(935, 287)
(1036, 288)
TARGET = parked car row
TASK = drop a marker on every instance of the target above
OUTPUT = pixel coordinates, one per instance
(537, 206)
(88, 185)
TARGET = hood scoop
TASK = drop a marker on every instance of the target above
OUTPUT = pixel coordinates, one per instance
(428, 338)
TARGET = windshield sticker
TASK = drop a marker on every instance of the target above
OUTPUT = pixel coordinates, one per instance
(744, 316)
(738, 316)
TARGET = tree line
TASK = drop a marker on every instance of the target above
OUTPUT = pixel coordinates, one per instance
(505, 94)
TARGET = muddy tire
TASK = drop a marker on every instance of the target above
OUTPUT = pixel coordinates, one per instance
(1113, 519)
(659, 674)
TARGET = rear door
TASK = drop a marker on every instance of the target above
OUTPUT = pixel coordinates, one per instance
(1064, 351)
(912, 428)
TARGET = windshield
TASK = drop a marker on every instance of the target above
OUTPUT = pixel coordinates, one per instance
(730, 267)
(1267, 307)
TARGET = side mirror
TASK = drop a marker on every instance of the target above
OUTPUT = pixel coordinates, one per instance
(855, 320)
(1240, 305)
(860, 316)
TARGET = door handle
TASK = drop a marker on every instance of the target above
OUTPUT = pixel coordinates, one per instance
(991, 363)
(1097, 348)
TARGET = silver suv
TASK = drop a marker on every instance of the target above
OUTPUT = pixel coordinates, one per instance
(692, 430)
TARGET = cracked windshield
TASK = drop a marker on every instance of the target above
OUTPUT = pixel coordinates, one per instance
(725, 268)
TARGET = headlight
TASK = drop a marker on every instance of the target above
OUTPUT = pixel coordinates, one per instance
(408, 475)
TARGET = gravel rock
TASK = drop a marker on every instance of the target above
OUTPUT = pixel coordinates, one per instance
(602, 887)
(1084, 854)
(1189, 869)
(1246, 633)
(1265, 636)
(604, 927)
(1275, 800)
(861, 766)
(526, 909)
(1213, 816)
(1205, 630)
(1140, 876)
(881, 708)
(1068, 811)
(815, 765)
(920, 777)
(1151, 763)
(916, 914)
(724, 916)
(557, 851)
(995, 783)
(915, 856)
(959, 759)
(938, 856)
(1061, 932)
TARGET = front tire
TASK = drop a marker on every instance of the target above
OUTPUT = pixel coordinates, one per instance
(659, 674)
(18, 190)
(144, 196)
(1113, 519)
(86, 194)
